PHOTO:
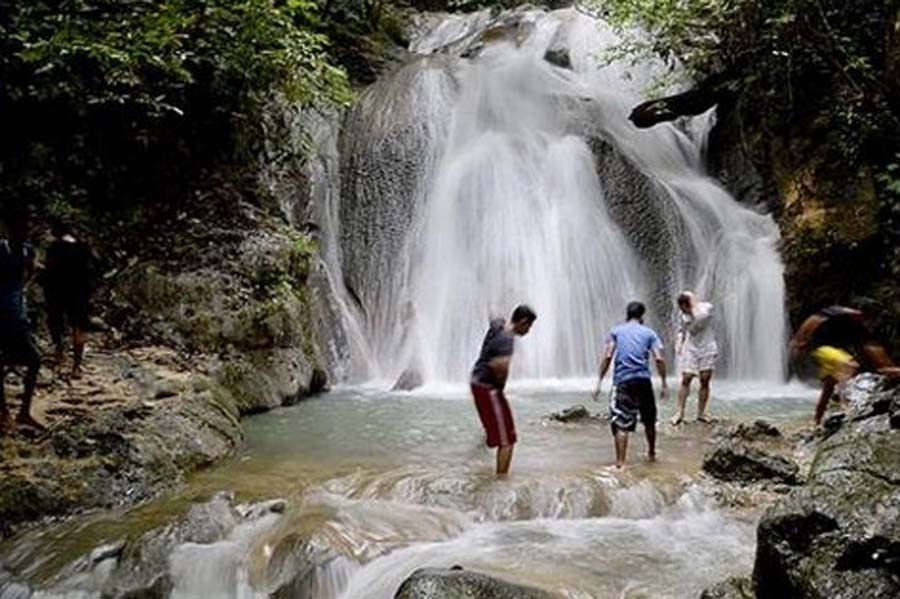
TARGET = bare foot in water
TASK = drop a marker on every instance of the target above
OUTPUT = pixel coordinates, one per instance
(28, 420)
(676, 419)
(651, 457)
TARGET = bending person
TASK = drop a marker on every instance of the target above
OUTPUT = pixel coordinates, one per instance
(489, 379)
(631, 344)
(697, 351)
(840, 343)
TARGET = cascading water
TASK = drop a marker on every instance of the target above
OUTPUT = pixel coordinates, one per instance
(480, 175)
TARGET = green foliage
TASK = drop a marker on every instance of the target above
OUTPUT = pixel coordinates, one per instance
(792, 62)
(111, 98)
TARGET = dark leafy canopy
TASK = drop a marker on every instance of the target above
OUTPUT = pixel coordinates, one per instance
(121, 98)
(789, 59)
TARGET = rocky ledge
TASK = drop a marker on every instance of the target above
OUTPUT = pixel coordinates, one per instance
(137, 423)
(838, 534)
(209, 318)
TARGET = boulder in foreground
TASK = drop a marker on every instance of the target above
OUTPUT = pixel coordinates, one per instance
(437, 583)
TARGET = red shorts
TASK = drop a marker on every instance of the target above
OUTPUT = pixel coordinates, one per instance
(497, 418)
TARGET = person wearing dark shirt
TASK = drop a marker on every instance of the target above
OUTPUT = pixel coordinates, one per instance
(839, 341)
(630, 346)
(16, 344)
(489, 379)
(67, 287)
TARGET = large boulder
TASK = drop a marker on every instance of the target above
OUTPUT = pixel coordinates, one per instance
(838, 536)
(751, 453)
(434, 583)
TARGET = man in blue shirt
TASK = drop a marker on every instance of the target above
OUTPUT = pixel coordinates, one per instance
(16, 343)
(632, 344)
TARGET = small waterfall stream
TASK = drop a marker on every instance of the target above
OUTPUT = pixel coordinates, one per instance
(479, 175)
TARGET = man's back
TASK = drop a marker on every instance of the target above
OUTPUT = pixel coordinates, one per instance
(68, 266)
(634, 342)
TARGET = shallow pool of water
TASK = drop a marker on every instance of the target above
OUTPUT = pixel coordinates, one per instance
(383, 483)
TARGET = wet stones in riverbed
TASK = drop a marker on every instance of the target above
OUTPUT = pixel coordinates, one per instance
(751, 453)
(577, 413)
(142, 567)
(838, 536)
(410, 379)
(454, 583)
(733, 588)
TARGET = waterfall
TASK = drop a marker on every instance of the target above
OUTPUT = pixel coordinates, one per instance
(480, 175)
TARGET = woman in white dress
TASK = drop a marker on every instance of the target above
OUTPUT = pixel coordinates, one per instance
(697, 352)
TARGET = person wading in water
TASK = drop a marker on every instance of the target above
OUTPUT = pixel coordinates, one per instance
(489, 379)
(16, 344)
(839, 340)
(697, 350)
(632, 344)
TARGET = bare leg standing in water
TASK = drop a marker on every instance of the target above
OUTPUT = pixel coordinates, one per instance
(681, 401)
(703, 401)
(489, 379)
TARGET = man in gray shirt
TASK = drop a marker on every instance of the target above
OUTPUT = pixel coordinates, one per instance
(489, 378)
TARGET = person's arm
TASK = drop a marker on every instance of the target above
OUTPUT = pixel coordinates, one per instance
(800, 340)
(661, 369)
(605, 362)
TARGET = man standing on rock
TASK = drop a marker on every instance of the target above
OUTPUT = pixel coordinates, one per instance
(489, 378)
(631, 344)
(67, 289)
(16, 344)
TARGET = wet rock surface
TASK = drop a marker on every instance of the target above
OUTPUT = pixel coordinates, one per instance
(410, 379)
(208, 319)
(577, 413)
(142, 566)
(115, 438)
(838, 536)
(433, 583)
(733, 588)
(749, 453)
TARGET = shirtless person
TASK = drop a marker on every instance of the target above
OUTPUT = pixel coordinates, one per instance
(839, 340)
(489, 378)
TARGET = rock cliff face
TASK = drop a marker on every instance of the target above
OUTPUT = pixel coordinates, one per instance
(838, 536)
(828, 213)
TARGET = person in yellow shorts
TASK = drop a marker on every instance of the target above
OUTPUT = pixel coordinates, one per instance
(828, 337)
